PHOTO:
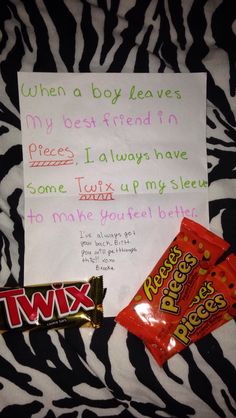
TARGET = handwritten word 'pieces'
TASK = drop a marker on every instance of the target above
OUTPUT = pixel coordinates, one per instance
(41, 156)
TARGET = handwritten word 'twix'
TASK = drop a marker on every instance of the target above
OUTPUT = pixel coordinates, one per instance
(94, 191)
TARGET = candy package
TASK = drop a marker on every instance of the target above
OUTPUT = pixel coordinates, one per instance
(155, 311)
(52, 306)
(213, 305)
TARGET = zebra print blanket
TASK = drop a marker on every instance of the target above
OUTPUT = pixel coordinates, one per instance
(108, 373)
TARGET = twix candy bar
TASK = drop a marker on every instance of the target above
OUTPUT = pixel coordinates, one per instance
(52, 306)
(155, 310)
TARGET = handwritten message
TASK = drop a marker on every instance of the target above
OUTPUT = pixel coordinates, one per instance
(112, 163)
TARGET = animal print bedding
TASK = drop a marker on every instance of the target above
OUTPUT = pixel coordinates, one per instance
(108, 372)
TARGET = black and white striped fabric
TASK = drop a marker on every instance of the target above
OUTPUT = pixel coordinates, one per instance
(108, 373)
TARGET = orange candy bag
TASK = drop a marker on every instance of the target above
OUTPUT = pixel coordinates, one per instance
(156, 309)
(213, 305)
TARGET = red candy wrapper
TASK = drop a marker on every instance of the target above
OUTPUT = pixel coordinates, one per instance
(213, 305)
(156, 309)
(52, 306)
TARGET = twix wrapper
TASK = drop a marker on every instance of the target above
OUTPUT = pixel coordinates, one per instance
(155, 310)
(214, 304)
(52, 306)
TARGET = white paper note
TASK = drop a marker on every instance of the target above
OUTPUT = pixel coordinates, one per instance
(112, 163)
